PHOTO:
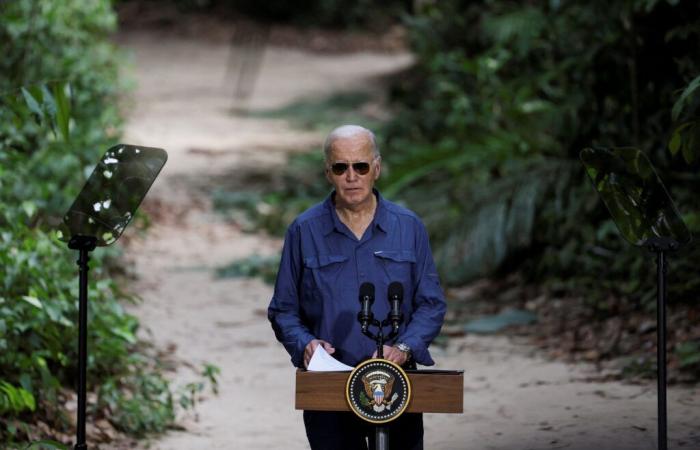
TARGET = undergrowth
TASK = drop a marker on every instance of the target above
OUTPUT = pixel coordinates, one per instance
(58, 114)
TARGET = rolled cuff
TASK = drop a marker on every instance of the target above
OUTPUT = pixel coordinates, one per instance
(296, 351)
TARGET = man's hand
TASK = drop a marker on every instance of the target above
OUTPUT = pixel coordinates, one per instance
(394, 355)
(311, 348)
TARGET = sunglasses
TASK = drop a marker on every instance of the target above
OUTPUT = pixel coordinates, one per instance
(361, 168)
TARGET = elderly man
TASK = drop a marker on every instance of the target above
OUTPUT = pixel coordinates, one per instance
(355, 236)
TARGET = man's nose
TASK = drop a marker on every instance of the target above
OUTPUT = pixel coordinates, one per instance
(351, 175)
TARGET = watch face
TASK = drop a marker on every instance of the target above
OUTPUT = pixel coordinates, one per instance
(403, 347)
(378, 391)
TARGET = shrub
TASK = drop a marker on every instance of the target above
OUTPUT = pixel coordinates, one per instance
(58, 113)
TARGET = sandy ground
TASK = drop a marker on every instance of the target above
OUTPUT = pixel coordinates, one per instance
(513, 398)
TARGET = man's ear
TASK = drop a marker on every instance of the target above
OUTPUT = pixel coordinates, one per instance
(378, 162)
(328, 174)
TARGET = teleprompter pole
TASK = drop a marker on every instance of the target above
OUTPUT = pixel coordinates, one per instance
(661, 246)
(661, 347)
(84, 244)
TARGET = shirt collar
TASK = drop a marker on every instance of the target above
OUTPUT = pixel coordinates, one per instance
(381, 217)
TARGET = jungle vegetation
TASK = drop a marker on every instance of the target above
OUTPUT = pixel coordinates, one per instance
(511, 92)
(59, 111)
(484, 145)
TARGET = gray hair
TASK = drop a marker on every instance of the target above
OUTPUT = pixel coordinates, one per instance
(346, 131)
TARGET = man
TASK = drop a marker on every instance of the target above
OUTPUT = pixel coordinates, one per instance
(355, 236)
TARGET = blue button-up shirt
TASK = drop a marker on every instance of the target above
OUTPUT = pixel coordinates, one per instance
(322, 267)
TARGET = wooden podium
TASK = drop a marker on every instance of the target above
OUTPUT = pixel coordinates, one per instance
(433, 391)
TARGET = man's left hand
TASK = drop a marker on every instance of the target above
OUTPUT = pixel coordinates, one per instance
(394, 355)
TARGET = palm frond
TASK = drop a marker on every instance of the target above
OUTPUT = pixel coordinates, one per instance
(478, 227)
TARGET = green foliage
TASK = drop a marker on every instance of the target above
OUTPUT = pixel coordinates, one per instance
(46, 444)
(489, 125)
(58, 113)
(639, 367)
(259, 199)
(211, 374)
(188, 393)
(686, 113)
(688, 354)
(252, 266)
(140, 403)
(510, 94)
(60, 74)
(15, 399)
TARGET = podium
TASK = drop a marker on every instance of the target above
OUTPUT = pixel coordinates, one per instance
(433, 391)
(377, 390)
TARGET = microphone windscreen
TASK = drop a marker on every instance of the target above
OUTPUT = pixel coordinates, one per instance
(396, 290)
(366, 290)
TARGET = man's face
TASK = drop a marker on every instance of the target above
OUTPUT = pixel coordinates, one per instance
(353, 188)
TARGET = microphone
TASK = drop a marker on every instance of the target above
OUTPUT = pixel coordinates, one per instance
(395, 299)
(365, 315)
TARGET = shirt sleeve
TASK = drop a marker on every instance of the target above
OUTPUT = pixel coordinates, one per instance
(284, 310)
(428, 302)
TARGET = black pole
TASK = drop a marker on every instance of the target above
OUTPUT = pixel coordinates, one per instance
(84, 244)
(380, 343)
(381, 434)
(82, 348)
(381, 438)
(661, 346)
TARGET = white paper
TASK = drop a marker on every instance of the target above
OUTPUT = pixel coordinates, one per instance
(321, 361)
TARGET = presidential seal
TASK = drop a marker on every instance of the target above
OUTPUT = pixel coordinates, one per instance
(378, 391)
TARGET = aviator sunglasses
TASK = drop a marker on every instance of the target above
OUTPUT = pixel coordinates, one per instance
(361, 168)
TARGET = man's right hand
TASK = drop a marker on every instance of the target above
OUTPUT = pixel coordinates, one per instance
(311, 348)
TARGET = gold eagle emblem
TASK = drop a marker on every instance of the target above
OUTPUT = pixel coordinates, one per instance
(378, 387)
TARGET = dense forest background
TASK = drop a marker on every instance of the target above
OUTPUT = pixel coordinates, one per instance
(59, 111)
(483, 144)
(488, 154)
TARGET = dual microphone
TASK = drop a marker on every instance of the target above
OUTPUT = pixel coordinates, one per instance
(395, 295)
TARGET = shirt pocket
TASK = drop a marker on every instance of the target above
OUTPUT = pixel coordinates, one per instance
(397, 264)
(321, 274)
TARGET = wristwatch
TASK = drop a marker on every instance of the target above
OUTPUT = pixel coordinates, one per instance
(403, 347)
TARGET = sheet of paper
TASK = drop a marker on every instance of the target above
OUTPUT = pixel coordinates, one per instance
(321, 361)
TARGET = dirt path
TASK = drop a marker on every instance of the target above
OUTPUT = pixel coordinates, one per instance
(513, 399)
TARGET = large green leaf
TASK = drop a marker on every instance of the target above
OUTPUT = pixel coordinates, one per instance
(684, 99)
(15, 399)
(61, 93)
(46, 444)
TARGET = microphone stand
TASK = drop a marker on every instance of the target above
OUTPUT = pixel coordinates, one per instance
(381, 435)
(379, 338)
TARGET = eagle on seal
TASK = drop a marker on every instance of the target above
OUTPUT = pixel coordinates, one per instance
(378, 386)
